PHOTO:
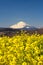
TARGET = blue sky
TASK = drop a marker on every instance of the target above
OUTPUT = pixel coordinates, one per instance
(29, 11)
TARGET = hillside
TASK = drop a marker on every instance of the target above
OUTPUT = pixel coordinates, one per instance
(11, 32)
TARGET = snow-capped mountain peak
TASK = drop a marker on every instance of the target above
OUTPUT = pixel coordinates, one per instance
(20, 24)
(23, 26)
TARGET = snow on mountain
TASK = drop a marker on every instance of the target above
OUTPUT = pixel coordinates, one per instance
(20, 24)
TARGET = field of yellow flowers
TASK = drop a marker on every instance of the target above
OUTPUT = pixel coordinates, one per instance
(21, 50)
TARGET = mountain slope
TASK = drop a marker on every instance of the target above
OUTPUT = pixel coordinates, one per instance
(22, 25)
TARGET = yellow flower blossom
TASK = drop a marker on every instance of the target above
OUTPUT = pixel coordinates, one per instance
(24, 63)
(21, 49)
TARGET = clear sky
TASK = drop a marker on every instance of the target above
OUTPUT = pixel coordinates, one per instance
(29, 11)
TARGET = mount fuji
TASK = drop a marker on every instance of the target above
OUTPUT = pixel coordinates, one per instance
(13, 29)
(22, 26)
